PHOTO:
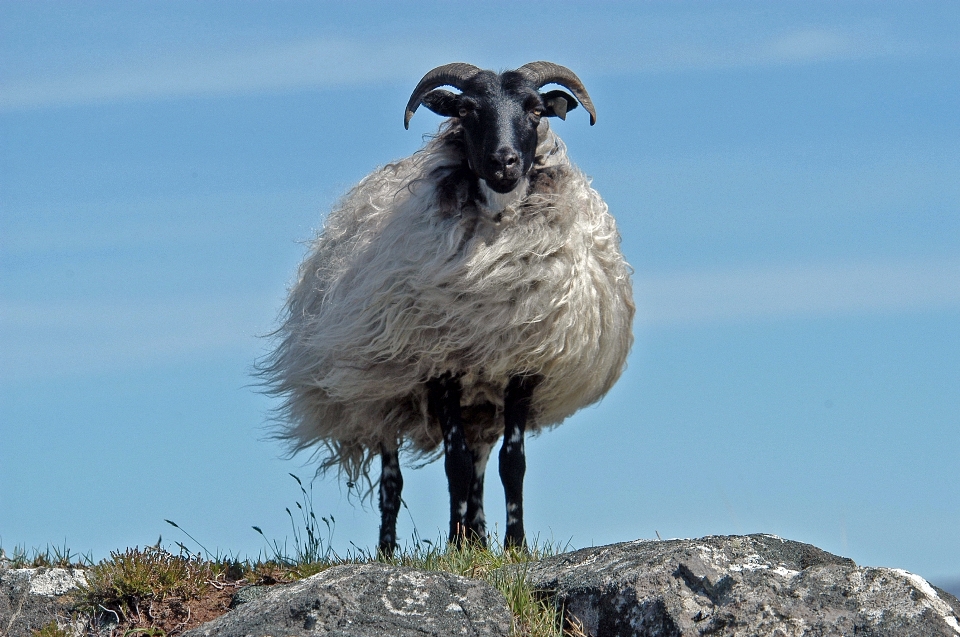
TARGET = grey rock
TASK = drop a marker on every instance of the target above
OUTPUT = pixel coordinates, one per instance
(369, 600)
(31, 598)
(739, 585)
(249, 593)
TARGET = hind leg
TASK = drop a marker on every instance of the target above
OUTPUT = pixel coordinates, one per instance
(476, 521)
(391, 484)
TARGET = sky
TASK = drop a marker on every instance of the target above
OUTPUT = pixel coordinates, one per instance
(785, 177)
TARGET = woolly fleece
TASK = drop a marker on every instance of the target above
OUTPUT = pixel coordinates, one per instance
(414, 275)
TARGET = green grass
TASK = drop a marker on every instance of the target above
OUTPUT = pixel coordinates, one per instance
(533, 614)
(138, 577)
(51, 630)
(48, 557)
(149, 591)
(137, 586)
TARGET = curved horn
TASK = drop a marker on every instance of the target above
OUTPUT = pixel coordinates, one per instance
(453, 75)
(549, 73)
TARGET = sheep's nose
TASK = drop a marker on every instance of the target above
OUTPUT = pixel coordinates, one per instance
(505, 162)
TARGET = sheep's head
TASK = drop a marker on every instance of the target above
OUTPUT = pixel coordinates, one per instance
(500, 113)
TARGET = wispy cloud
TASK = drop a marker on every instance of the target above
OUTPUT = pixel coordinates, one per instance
(67, 337)
(677, 50)
(51, 338)
(321, 62)
(779, 292)
(815, 45)
(335, 61)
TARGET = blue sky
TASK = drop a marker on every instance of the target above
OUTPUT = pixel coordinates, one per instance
(785, 176)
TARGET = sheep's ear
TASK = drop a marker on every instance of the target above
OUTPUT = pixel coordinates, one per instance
(442, 102)
(558, 103)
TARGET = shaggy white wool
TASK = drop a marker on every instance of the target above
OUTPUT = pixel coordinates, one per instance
(400, 286)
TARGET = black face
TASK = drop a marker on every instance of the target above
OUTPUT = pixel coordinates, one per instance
(499, 115)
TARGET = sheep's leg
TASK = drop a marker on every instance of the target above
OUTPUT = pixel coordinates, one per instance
(391, 484)
(476, 521)
(444, 401)
(513, 463)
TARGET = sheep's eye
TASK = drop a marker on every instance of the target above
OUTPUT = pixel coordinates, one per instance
(464, 111)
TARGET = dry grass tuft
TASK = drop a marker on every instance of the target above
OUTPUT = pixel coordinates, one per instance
(156, 593)
(153, 591)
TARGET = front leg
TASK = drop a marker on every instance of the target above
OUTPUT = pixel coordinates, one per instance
(443, 399)
(513, 463)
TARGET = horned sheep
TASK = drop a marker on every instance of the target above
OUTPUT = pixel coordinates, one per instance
(473, 290)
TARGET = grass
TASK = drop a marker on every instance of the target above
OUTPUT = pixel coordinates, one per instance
(51, 630)
(533, 614)
(48, 557)
(155, 592)
(134, 577)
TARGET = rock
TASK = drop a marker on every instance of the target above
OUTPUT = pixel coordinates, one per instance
(369, 600)
(739, 585)
(31, 598)
(249, 593)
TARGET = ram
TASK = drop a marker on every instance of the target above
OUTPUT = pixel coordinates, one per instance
(473, 290)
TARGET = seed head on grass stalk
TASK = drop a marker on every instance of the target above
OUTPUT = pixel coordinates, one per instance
(208, 554)
(309, 547)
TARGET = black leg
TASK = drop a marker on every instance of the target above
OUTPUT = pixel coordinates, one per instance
(513, 463)
(476, 521)
(391, 484)
(444, 401)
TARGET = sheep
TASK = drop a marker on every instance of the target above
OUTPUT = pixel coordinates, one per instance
(473, 290)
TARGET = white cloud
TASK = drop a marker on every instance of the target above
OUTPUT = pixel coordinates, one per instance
(321, 62)
(334, 61)
(778, 292)
(814, 45)
(740, 50)
(67, 337)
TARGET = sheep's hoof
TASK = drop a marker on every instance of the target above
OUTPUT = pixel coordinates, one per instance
(516, 543)
(466, 537)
